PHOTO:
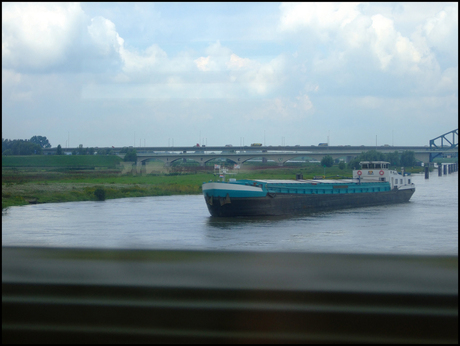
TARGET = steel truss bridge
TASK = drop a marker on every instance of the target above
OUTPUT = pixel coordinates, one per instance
(441, 147)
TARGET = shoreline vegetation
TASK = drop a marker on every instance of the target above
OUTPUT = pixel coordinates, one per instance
(51, 179)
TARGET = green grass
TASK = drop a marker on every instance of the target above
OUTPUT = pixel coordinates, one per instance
(62, 161)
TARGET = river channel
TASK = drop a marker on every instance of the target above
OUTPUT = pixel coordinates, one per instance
(428, 224)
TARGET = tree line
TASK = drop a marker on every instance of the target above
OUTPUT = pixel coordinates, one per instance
(404, 159)
(36, 144)
(32, 146)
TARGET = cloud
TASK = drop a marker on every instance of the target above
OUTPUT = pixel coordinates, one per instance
(237, 63)
(391, 48)
(37, 36)
(353, 42)
(441, 31)
(202, 63)
(324, 17)
(105, 37)
(282, 65)
(282, 110)
(143, 62)
(256, 77)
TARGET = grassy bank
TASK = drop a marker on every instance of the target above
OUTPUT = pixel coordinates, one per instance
(61, 161)
(45, 179)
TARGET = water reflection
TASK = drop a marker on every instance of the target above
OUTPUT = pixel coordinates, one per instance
(231, 222)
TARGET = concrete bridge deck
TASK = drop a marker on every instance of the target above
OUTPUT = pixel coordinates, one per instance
(280, 155)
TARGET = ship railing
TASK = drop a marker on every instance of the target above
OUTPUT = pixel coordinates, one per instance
(223, 172)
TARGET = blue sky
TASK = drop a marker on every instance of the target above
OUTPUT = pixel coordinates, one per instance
(158, 74)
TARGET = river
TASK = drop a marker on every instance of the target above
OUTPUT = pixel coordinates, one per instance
(428, 224)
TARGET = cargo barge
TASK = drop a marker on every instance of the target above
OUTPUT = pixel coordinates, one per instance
(373, 184)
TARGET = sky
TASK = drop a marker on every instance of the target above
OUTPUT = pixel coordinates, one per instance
(178, 74)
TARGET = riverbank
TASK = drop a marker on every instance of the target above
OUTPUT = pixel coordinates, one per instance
(58, 182)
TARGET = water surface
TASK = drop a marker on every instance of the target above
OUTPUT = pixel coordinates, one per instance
(428, 224)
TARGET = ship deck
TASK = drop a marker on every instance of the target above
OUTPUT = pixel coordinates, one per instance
(310, 181)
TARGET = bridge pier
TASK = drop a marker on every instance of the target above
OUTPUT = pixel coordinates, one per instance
(138, 167)
(133, 169)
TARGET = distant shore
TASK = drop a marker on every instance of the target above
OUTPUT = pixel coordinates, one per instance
(32, 181)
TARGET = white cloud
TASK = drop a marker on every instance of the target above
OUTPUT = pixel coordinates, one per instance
(441, 31)
(324, 17)
(237, 63)
(365, 38)
(38, 35)
(145, 62)
(104, 36)
(304, 103)
(255, 77)
(391, 48)
(202, 63)
(339, 61)
(217, 59)
(283, 110)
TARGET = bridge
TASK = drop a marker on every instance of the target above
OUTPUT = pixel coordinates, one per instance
(280, 154)
(441, 146)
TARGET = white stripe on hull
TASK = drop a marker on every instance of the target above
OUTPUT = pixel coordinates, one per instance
(232, 187)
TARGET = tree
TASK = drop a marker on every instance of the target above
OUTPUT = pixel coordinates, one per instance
(327, 161)
(20, 147)
(371, 155)
(24, 147)
(81, 150)
(59, 150)
(130, 155)
(341, 165)
(100, 194)
(6, 144)
(41, 141)
(354, 164)
(392, 158)
(407, 159)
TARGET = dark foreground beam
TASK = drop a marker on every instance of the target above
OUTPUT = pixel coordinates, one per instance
(133, 296)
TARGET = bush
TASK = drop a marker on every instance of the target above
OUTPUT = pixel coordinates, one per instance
(100, 194)
(327, 161)
(130, 155)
